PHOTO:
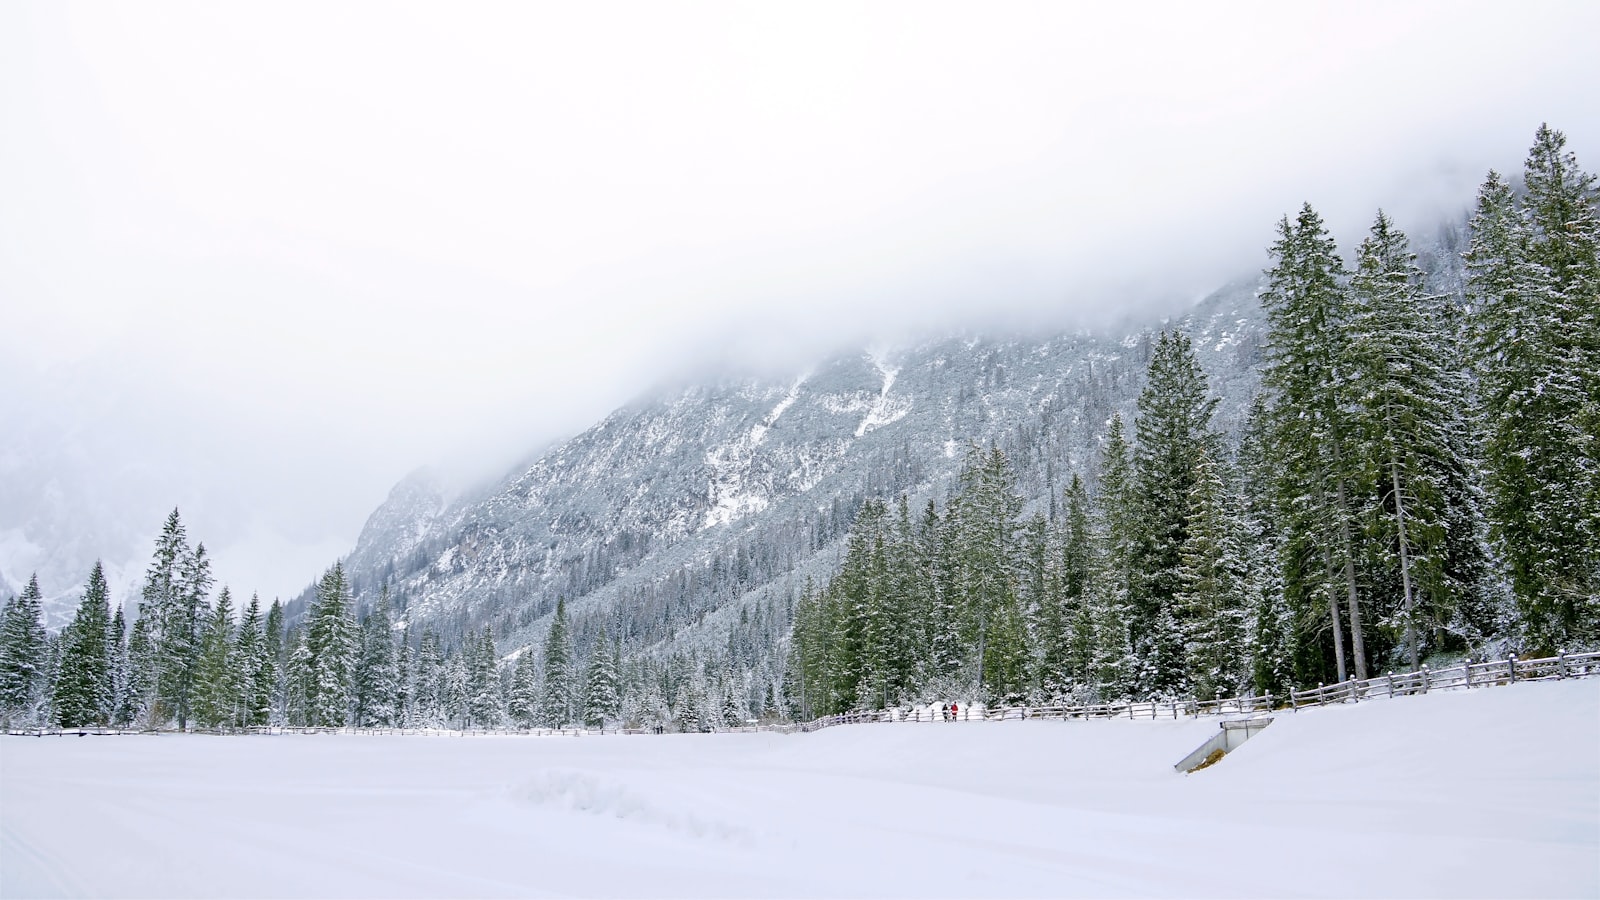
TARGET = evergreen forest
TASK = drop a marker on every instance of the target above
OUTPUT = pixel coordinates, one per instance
(1418, 476)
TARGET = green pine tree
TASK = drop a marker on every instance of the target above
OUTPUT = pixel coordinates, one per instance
(83, 686)
(555, 707)
(255, 669)
(330, 642)
(375, 679)
(22, 656)
(1173, 433)
(1534, 278)
(602, 700)
(1307, 305)
(484, 702)
(1214, 587)
(216, 680)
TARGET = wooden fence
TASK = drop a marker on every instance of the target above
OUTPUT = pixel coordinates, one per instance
(1467, 675)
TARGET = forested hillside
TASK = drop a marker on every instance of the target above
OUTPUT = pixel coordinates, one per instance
(1367, 456)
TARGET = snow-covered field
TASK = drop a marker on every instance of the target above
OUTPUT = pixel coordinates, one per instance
(1487, 793)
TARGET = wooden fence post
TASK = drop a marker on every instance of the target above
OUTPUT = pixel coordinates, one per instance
(1424, 678)
(1561, 663)
(1511, 667)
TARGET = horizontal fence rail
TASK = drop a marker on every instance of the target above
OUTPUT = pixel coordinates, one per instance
(1467, 675)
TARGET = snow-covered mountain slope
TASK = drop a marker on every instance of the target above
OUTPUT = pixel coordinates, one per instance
(675, 512)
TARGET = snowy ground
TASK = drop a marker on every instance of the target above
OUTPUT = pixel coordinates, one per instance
(1488, 793)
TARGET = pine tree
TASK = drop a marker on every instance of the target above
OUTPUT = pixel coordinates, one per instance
(375, 680)
(255, 669)
(1307, 306)
(602, 698)
(690, 718)
(83, 686)
(120, 713)
(985, 544)
(22, 655)
(483, 704)
(430, 682)
(523, 702)
(1077, 573)
(169, 629)
(455, 689)
(1409, 436)
(555, 708)
(1534, 277)
(1173, 433)
(1271, 634)
(275, 649)
(405, 691)
(936, 561)
(331, 645)
(1214, 586)
(216, 681)
(732, 709)
(1117, 524)
(299, 687)
(139, 695)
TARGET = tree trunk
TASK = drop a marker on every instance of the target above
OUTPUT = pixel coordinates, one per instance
(1358, 644)
(1405, 562)
(1333, 612)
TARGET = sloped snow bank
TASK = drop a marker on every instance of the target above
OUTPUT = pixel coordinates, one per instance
(1486, 793)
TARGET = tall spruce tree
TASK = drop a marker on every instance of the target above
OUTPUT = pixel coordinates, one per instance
(376, 678)
(429, 689)
(1272, 633)
(299, 685)
(1408, 433)
(484, 700)
(602, 700)
(276, 651)
(1534, 278)
(1077, 580)
(121, 715)
(522, 702)
(331, 646)
(83, 686)
(255, 668)
(985, 545)
(139, 695)
(1174, 431)
(1307, 306)
(169, 626)
(1214, 585)
(22, 655)
(216, 684)
(555, 707)
(1117, 527)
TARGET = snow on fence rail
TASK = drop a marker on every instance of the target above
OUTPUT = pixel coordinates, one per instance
(1467, 675)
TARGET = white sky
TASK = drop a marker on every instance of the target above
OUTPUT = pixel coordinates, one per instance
(261, 260)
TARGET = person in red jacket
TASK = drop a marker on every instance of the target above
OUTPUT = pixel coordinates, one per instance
(955, 711)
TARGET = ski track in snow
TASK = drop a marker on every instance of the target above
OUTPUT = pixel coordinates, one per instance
(1486, 793)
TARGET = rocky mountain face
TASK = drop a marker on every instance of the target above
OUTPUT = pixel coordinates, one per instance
(681, 519)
